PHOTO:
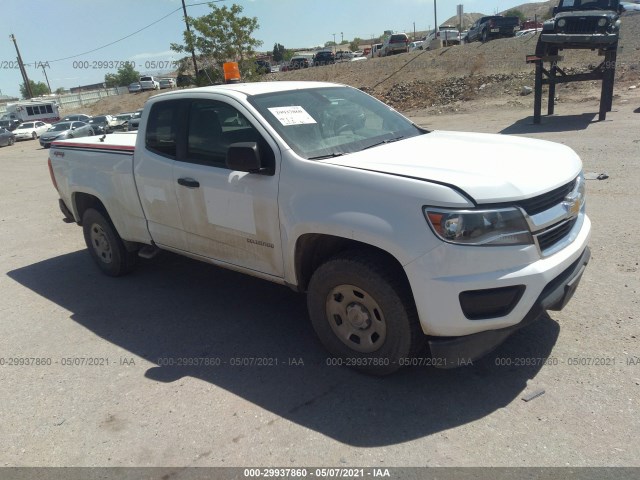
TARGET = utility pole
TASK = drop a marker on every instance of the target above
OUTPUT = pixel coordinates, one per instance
(193, 53)
(341, 38)
(23, 71)
(334, 42)
(435, 15)
(414, 31)
(46, 78)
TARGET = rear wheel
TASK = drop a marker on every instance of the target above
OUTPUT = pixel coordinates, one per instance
(105, 245)
(34, 135)
(485, 36)
(363, 312)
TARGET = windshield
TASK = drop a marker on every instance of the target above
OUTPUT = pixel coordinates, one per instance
(586, 4)
(332, 121)
(98, 120)
(146, 79)
(59, 127)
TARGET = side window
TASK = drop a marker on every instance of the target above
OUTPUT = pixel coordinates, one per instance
(162, 128)
(29, 110)
(213, 127)
(49, 109)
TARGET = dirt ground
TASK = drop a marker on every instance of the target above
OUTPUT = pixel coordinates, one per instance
(103, 393)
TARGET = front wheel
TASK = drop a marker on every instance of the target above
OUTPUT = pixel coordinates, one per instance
(11, 141)
(485, 36)
(362, 310)
(105, 245)
(34, 135)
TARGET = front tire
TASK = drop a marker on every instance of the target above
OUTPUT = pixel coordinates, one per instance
(485, 36)
(105, 245)
(362, 310)
(34, 135)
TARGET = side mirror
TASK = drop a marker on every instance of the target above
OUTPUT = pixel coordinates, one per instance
(555, 11)
(245, 157)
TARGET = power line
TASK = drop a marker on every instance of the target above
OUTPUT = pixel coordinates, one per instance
(131, 34)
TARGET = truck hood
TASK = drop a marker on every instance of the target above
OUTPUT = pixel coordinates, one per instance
(489, 168)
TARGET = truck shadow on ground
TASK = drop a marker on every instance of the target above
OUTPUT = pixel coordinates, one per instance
(553, 123)
(174, 307)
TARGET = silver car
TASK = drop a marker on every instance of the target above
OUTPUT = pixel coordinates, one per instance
(63, 130)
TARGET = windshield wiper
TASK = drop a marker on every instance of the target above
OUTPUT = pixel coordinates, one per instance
(389, 140)
(330, 155)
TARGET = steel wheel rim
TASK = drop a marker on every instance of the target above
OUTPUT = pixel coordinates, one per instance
(100, 243)
(356, 318)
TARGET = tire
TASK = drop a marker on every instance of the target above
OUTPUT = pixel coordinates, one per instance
(383, 328)
(34, 135)
(105, 245)
(11, 142)
(485, 36)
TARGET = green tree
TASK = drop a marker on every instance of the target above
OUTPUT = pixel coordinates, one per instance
(355, 45)
(514, 12)
(330, 43)
(37, 89)
(126, 74)
(222, 36)
(59, 91)
(278, 52)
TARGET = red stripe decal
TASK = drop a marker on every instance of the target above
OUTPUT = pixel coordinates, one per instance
(122, 148)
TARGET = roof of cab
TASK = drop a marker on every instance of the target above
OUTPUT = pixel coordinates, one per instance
(254, 88)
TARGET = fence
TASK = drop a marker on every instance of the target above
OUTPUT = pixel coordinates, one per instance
(72, 101)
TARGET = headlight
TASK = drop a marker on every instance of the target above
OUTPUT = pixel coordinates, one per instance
(505, 226)
(602, 22)
(562, 22)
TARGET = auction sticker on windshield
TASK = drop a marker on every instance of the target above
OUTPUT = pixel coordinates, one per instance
(294, 115)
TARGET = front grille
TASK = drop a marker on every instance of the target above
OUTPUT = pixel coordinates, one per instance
(581, 25)
(554, 234)
(547, 200)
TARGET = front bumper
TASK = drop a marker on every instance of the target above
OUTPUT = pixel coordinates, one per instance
(23, 136)
(457, 351)
(590, 40)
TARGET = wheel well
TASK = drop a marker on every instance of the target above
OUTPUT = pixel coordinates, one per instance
(85, 201)
(312, 250)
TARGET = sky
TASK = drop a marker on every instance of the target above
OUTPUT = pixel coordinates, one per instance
(49, 32)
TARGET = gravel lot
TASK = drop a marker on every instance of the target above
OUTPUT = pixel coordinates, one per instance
(125, 410)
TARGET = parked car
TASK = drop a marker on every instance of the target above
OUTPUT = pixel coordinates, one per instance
(167, 83)
(64, 130)
(121, 121)
(10, 124)
(298, 62)
(30, 130)
(376, 50)
(76, 117)
(134, 121)
(101, 124)
(324, 57)
(417, 45)
(147, 82)
(263, 66)
(134, 87)
(496, 26)
(331, 192)
(447, 33)
(581, 25)
(394, 44)
(343, 55)
(7, 138)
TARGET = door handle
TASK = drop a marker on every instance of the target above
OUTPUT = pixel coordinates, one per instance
(189, 182)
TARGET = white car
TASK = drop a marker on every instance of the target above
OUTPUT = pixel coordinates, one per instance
(31, 130)
(417, 45)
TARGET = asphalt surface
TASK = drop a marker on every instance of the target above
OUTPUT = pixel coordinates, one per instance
(185, 364)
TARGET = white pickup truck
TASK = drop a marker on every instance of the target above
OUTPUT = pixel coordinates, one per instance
(329, 191)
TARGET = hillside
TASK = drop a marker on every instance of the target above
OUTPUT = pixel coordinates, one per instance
(493, 71)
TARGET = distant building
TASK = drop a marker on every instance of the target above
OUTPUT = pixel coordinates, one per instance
(88, 88)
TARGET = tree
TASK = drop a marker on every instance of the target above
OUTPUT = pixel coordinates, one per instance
(222, 36)
(126, 74)
(355, 45)
(514, 12)
(278, 52)
(59, 91)
(330, 43)
(37, 89)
